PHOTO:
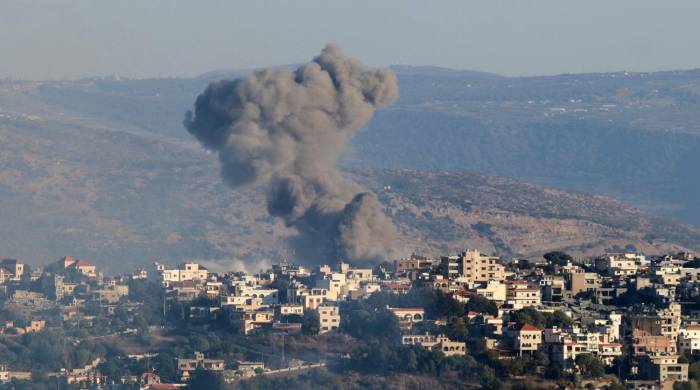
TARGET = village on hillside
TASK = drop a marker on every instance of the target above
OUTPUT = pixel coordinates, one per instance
(621, 320)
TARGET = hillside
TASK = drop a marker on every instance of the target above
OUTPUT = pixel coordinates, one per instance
(122, 197)
(633, 136)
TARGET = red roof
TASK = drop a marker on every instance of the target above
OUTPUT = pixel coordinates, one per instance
(529, 328)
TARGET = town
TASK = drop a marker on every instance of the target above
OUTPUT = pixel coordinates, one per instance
(621, 320)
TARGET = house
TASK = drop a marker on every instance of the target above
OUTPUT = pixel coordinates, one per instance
(665, 322)
(248, 320)
(408, 315)
(493, 290)
(450, 348)
(329, 318)
(5, 274)
(68, 263)
(149, 378)
(187, 366)
(248, 369)
(584, 282)
(15, 268)
(621, 264)
(520, 294)
(644, 343)
(437, 343)
(415, 263)
(689, 340)
(663, 368)
(310, 298)
(525, 338)
(181, 273)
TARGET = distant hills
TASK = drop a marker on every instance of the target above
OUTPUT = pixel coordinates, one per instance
(103, 170)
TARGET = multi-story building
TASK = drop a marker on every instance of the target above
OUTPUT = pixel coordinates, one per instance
(666, 322)
(621, 264)
(493, 290)
(525, 338)
(586, 282)
(184, 272)
(14, 268)
(644, 343)
(415, 263)
(553, 288)
(520, 294)
(328, 318)
(689, 340)
(472, 266)
(70, 263)
(663, 368)
(187, 366)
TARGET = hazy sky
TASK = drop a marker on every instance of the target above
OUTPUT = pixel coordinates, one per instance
(157, 38)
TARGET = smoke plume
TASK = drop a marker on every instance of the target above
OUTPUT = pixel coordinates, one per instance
(286, 130)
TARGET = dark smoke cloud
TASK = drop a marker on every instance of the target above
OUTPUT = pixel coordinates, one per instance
(287, 129)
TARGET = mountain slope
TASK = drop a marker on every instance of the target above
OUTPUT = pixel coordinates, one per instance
(634, 136)
(125, 198)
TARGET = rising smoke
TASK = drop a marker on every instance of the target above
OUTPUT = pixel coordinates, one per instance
(286, 130)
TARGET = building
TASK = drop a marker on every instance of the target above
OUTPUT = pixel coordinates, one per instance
(408, 315)
(584, 282)
(15, 268)
(437, 343)
(68, 263)
(450, 348)
(245, 321)
(621, 264)
(472, 266)
(186, 367)
(328, 318)
(520, 295)
(666, 322)
(553, 288)
(493, 290)
(644, 344)
(310, 298)
(415, 264)
(525, 339)
(663, 368)
(689, 340)
(183, 272)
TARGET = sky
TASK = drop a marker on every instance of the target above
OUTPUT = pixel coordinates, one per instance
(170, 38)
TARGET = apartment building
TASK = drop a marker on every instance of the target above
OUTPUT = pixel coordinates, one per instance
(472, 266)
(329, 318)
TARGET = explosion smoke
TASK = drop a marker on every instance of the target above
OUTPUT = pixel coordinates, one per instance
(288, 129)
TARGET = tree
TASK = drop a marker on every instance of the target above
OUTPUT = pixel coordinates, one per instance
(489, 381)
(479, 304)
(553, 371)
(311, 323)
(694, 370)
(366, 324)
(205, 380)
(456, 329)
(688, 385)
(539, 319)
(590, 366)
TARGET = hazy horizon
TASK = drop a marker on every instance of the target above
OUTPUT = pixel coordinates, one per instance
(69, 40)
